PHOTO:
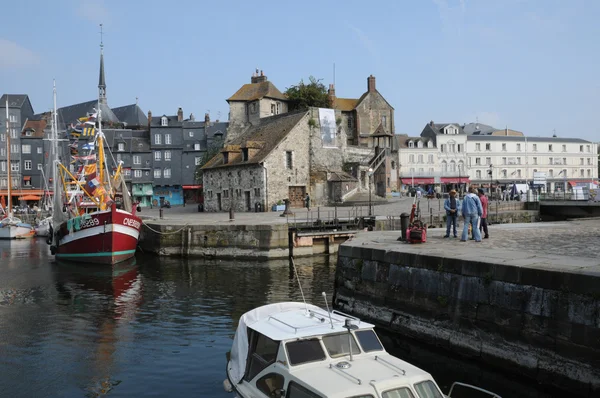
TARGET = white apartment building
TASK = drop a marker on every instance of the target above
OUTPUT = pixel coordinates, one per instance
(512, 159)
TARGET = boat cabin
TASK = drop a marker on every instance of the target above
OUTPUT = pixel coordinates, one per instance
(295, 350)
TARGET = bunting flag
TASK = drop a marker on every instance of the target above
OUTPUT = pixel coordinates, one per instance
(89, 169)
(84, 158)
(89, 131)
(91, 184)
(88, 146)
(75, 134)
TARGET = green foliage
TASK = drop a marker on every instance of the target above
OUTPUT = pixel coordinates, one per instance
(302, 96)
(312, 123)
(210, 153)
(338, 121)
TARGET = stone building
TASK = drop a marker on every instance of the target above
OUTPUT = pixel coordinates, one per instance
(264, 165)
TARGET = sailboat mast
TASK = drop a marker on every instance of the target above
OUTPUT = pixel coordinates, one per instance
(53, 146)
(8, 165)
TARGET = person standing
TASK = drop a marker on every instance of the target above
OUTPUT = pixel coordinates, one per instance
(307, 202)
(484, 206)
(452, 207)
(471, 211)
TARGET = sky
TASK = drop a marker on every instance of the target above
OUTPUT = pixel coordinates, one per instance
(528, 65)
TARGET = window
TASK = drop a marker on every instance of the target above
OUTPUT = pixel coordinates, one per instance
(580, 160)
(350, 124)
(167, 156)
(589, 173)
(452, 166)
(295, 390)
(137, 159)
(157, 173)
(3, 166)
(504, 147)
(25, 148)
(257, 192)
(488, 160)
(28, 133)
(3, 182)
(2, 137)
(157, 139)
(39, 166)
(167, 139)
(580, 148)
(460, 147)
(588, 148)
(39, 150)
(478, 147)
(191, 133)
(534, 147)
(427, 389)
(519, 173)
(303, 351)
(504, 173)
(429, 144)
(564, 148)
(14, 148)
(518, 160)
(478, 174)
(226, 194)
(27, 181)
(127, 172)
(157, 155)
(488, 147)
(263, 350)
(14, 165)
(27, 165)
(550, 173)
(337, 345)
(196, 147)
(430, 158)
(411, 158)
(589, 161)
(121, 146)
(164, 121)
(137, 173)
(119, 158)
(411, 144)
(477, 161)
(384, 120)
(420, 159)
(443, 148)
(288, 160)
(368, 340)
(273, 108)
(420, 144)
(549, 147)
(13, 133)
(534, 160)
(503, 160)
(518, 147)
(270, 383)
(167, 172)
(197, 160)
(12, 118)
(2, 151)
(244, 154)
(402, 392)
(581, 173)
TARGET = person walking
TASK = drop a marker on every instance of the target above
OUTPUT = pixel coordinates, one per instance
(471, 211)
(452, 207)
(307, 202)
(484, 206)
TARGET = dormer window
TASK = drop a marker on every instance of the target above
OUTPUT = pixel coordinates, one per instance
(121, 146)
(164, 121)
(420, 144)
(430, 144)
(29, 133)
(191, 133)
(196, 147)
(411, 144)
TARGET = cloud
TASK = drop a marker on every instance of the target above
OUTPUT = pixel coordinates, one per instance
(15, 56)
(94, 11)
(367, 43)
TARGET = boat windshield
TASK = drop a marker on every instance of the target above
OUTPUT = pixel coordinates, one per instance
(402, 392)
(303, 351)
(427, 389)
(368, 340)
(337, 344)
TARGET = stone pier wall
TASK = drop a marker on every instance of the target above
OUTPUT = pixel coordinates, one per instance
(537, 315)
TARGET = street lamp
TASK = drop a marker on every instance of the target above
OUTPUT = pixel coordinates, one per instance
(490, 172)
(370, 174)
(460, 187)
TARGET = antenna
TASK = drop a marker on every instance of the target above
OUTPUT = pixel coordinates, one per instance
(327, 306)
(101, 34)
(299, 284)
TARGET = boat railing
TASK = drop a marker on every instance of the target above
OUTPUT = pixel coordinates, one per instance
(457, 383)
(344, 314)
(326, 315)
(284, 323)
(390, 365)
(343, 372)
(323, 315)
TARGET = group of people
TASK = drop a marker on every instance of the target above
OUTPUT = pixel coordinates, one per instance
(473, 208)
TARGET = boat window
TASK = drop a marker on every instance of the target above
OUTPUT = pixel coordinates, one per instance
(402, 392)
(303, 351)
(368, 340)
(295, 390)
(263, 352)
(428, 389)
(270, 383)
(337, 344)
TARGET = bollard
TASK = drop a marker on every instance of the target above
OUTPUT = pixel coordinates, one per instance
(404, 225)
(231, 214)
(160, 213)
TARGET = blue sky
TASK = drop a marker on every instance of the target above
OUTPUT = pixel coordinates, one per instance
(526, 64)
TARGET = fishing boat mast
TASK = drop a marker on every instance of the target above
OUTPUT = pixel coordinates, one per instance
(8, 164)
(53, 146)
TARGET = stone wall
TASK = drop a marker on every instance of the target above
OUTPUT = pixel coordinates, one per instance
(538, 318)
(370, 113)
(238, 181)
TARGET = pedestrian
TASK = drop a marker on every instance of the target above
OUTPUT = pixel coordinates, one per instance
(307, 202)
(484, 206)
(418, 193)
(452, 207)
(471, 211)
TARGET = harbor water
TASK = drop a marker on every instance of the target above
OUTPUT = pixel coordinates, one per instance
(160, 327)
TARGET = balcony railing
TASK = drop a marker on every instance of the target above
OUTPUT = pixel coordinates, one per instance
(408, 174)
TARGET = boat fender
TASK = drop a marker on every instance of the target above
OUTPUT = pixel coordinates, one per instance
(50, 235)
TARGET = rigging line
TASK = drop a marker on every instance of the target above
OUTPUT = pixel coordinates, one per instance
(164, 233)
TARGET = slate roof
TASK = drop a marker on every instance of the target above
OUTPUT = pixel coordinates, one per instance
(36, 127)
(529, 139)
(132, 115)
(264, 136)
(437, 128)
(345, 104)
(255, 91)
(380, 132)
(483, 129)
(70, 114)
(14, 100)
(341, 176)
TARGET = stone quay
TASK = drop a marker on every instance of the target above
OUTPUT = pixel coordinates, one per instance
(525, 301)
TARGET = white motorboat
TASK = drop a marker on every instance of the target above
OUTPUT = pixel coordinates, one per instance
(13, 228)
(298, 350)
(43, 227)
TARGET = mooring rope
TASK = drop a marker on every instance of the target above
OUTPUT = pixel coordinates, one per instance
(164, 233)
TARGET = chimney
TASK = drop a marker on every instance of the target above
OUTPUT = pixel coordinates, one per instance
(371, 84)
(192, 117)
(179, 115)
(331, 95)
(149, 119)
(258, 77)
(431, 123)
(207, 118)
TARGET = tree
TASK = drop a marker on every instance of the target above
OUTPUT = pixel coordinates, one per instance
(303, 96)
(210, 153)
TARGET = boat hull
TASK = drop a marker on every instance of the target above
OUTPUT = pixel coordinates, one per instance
(15, 232)
(105, 237)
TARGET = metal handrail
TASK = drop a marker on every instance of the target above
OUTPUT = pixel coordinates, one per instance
(343, 372)
(456, 383)
(286, 324)
(390, 365)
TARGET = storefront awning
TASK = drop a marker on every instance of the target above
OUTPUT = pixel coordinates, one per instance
(417, 181)
(574, 183)
(192, 186)
(454, 180)
(29, 197)
(27, 178)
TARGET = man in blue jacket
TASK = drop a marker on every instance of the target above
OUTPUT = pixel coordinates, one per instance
(452, 207)
(471, 211)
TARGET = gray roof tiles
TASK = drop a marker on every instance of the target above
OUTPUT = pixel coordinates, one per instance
(14, 100)
(132, 115)
(70, 114)
(529, 139)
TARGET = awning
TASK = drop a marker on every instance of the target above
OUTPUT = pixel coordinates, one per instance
(192, 186)
(22, 192)
(454, 180)
(417, 181)
(29, 197)
(574, 183)
(27, 178)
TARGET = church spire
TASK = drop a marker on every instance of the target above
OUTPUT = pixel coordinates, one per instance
(101, 80)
